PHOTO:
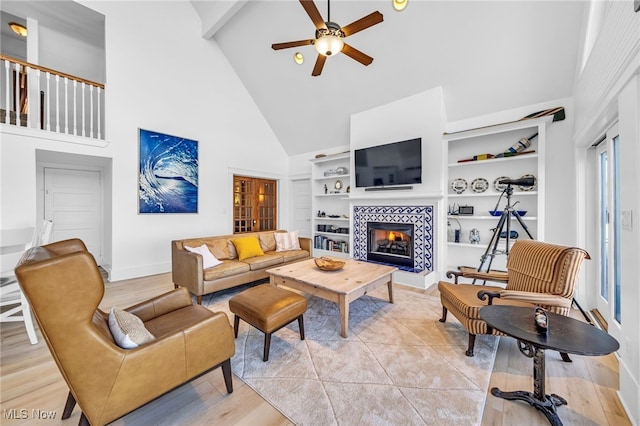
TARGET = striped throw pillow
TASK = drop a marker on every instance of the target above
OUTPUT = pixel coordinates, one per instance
(286, 241)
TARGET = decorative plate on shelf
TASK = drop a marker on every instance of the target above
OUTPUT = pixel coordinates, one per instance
(529, 188)
(500, 186)
(479, 185)
(459, 185)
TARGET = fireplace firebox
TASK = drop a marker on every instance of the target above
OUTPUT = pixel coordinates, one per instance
(419, 222)
(390, 243)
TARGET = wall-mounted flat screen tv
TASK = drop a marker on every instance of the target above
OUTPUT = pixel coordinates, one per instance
(393, 164)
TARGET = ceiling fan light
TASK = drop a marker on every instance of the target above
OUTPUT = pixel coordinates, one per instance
(399, 5)
(329, 45)
(19, 29)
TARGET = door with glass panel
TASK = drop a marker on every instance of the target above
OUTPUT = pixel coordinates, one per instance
(608, 183)
(254, 204)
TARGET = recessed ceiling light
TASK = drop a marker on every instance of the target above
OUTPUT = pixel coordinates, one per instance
(298, 58)
(18, 29)
(399, 5)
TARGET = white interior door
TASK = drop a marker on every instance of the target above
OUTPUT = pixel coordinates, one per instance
(73, 203)
(301, 194)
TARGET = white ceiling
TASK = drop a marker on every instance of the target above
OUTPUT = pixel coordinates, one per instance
(67, 17)
(487, 56)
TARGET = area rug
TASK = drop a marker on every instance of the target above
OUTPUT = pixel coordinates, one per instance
(398, 366)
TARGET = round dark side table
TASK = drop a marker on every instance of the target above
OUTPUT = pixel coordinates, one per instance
(564, 334)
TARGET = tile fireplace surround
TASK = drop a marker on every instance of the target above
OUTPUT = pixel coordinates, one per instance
(421, 217)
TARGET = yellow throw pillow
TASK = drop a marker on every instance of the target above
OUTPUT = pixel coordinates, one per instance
(247, 247)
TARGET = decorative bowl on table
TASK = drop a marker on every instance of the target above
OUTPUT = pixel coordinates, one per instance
(328, 264)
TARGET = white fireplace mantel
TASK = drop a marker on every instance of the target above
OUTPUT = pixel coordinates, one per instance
(390, 195)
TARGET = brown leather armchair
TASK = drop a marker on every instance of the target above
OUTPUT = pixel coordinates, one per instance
(538, 274)
(63, 284)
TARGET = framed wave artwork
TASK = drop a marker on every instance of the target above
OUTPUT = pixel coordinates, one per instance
(168, 174)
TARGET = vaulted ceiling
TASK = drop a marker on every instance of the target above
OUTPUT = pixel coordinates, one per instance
(487, 56)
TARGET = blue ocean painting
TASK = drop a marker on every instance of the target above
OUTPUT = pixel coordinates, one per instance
(168, 177)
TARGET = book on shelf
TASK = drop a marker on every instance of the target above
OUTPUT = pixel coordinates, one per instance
(324, 243)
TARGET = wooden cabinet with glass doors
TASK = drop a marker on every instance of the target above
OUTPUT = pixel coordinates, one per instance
(254, 204)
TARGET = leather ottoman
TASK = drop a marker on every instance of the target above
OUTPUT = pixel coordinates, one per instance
(268, 308)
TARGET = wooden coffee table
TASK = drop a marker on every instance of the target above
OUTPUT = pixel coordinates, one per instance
(344, 286)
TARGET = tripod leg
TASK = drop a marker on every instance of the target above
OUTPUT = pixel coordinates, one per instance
(487, 258)
(524, 226)
(584, 314)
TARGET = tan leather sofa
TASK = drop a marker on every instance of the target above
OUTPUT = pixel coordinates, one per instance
(187, 270)
(64, 287)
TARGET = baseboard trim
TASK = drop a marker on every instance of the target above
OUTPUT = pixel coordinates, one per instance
(595, 313)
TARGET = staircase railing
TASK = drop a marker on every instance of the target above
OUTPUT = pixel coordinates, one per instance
(63, 103)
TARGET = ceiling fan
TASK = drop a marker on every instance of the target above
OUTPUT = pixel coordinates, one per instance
(329, 36)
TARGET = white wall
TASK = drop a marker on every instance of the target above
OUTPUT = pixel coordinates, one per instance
(417, 116)
(627, 333)
(61, 52)
(169, 81)
(607, 90)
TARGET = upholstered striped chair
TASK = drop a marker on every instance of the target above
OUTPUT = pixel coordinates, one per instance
(538, 274)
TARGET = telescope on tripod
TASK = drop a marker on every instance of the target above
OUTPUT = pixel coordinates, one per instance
(505, 222)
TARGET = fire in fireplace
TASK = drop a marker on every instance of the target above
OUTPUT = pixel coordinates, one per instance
(390, 243)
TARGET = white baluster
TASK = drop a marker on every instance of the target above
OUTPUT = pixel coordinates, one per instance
(48, 76)
(8, 87)
(27, 71)
(16, 97)
(75, 108)
(83, 110)
(91, 111)
(58, 103)
(66, 105)
(40, 106)
(98, 90)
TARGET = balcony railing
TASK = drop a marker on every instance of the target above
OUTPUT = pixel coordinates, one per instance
(41, 98)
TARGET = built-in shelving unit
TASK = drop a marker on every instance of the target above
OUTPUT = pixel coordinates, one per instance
(492, 140)
(330, 205)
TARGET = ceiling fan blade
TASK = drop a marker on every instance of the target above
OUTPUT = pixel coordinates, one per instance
(354, 53)
(311, 9)
(317, 68)
(288, 44)
(362, 23)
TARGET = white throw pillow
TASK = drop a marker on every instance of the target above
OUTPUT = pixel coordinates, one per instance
(208, 259)
(127, 329)
(286, 241)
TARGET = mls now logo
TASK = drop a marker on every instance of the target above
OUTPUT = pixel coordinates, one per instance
(22, 413)
(14, 414)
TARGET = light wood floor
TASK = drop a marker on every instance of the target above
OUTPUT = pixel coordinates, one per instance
(32, 390)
